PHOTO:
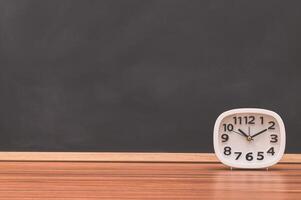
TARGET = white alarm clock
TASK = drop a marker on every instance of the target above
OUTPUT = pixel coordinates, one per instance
(249, 138)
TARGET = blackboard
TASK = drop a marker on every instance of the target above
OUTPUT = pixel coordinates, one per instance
(143, 76)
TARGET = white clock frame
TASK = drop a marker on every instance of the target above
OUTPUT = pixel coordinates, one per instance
(218, 151)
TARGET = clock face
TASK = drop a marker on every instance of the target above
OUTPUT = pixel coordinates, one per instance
(249, 138)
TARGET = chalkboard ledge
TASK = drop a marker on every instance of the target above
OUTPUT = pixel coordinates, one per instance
(122, 157)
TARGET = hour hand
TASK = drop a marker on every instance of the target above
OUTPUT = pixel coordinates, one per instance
(242, 132)
(239, 133)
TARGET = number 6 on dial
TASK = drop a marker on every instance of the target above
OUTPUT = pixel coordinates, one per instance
(249, 138)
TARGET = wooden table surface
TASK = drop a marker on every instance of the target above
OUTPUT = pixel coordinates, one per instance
(105, 180)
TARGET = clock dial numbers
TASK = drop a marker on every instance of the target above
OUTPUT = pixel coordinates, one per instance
(274, 138)
(227, 151)
(272, 125)
(260, 155)
(251, 120)
(249, 156)
(271, 151)
(238, 155)
(244, 119)
(228, 127)
(225, 137)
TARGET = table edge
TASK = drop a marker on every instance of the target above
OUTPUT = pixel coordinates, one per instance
(123, 157)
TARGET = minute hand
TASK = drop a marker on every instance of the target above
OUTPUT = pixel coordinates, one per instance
(259, 133)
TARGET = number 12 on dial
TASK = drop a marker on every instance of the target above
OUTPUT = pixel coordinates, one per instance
(249, 138)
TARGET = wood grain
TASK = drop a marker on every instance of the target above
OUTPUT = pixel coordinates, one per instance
(122, 157)
(105, 180)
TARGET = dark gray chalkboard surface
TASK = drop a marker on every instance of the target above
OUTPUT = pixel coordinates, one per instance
(147, 76)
